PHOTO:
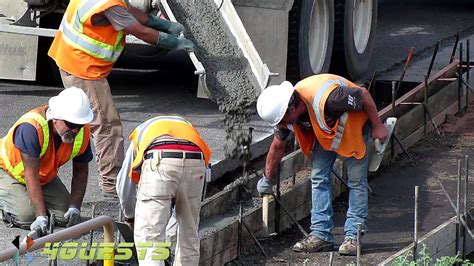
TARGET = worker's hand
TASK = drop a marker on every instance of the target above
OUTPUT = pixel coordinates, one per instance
(264, 186)
(167, 26)
(39, 227)
(73, 216)
(170, 42)
(379, 132)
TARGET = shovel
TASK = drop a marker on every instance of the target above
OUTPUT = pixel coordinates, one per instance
(203, 90)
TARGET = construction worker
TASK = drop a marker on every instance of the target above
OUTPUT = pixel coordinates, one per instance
(165, 162)
(33, 150)
(89, 41)
(328, 116)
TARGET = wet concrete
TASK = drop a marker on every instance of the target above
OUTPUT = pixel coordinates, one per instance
(228, 74)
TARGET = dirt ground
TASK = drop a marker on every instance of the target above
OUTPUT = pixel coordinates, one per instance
(391, 204)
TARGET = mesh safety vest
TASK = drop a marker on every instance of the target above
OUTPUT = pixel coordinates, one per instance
(174, 126)
(50, 158)
(345, 137)
(85, 50)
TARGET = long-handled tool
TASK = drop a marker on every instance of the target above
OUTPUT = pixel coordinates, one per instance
(203, 90)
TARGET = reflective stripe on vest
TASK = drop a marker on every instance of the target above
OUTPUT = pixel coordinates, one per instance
(74, 36)
(336, 141)
(76, 148)
(160, 118)
(19, 168)
(317, 100)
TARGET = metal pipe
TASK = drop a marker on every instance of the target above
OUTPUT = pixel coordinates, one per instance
(454, 48)
(289, 215)
(359, 230)
(68, 233)
(415, 228)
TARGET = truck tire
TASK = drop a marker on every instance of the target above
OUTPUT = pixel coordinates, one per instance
(310, 38)
(353, 36)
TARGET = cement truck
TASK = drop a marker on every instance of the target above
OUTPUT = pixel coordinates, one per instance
(294, 38)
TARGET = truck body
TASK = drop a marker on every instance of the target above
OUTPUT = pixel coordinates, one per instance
(294, 38)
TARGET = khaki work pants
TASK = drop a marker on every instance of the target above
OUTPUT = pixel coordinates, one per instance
(163, 180)
(106, 127)
(15, 201)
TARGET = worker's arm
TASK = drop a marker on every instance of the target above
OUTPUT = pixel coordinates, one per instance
(126, 189)
(80, 172)
(138, 14)
(274, 156)
(33, 186)
(378, 129)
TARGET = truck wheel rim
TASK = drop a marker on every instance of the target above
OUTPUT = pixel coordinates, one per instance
(318, 35)
(362, 23)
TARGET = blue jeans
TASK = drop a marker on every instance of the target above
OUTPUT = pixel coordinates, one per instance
(322, 212)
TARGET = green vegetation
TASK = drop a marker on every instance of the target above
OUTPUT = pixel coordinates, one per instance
(424, 259)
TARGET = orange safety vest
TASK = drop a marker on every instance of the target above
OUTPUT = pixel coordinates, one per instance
(82, 49)
(345, 137)
(174, 126)
(50, 158)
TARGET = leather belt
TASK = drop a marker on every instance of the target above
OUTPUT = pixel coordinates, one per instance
(174, 154)
(171, 142)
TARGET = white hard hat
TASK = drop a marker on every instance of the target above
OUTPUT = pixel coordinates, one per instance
(273, 102)
(71, 105)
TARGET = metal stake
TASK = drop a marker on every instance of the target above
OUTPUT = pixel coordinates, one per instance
(466, 187)
(239, 236)
(91, 237)
(454, 48)
(459, 80)
(117, 237)
(401, 145)
(372, 82)
(277, 206)
(458, 210)
(415, 228)
(52, 220)
(468, 70)
(359, 230)
(289, 215)
(433, 59)
(254, 239)
(392, 145)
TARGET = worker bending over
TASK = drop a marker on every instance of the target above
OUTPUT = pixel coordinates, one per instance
(166, 161)
(328, 115)
(33, 150)
(90, 39)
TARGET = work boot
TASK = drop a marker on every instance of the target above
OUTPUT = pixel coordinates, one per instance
(348, 247)
(312, 244)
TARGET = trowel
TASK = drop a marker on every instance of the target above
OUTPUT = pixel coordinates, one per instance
(378, 148)
(203, 90)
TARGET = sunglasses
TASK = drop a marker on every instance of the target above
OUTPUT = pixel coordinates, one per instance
(72, 125)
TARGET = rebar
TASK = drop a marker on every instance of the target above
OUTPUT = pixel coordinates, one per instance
(239, 235)
(433, 59)
(371, 84)
(454, 48)
(458, 210)
(415, 227)
(289, 215)
(254, 239)
(459, 80)
(468, 70)
(359, 230)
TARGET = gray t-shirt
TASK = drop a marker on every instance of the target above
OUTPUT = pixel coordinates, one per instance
(118, 16)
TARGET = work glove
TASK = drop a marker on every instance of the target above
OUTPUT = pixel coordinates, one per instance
(167, 26)
(171, 42)
(264, 186)
(39, 227)
(73, 216)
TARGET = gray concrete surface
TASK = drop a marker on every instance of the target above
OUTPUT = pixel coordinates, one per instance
(142, 95)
